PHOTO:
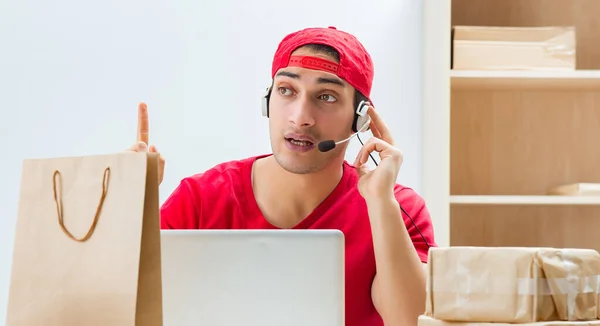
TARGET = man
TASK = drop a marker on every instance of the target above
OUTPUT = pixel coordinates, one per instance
(319, 77)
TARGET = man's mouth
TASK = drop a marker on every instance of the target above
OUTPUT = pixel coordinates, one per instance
(298, 142)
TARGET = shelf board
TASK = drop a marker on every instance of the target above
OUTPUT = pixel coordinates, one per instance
(525, 200)
(525, 79)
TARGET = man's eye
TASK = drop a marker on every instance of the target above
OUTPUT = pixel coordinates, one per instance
(328, 98)
(284, 91)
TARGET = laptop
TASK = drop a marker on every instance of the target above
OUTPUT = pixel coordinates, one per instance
(253, 277)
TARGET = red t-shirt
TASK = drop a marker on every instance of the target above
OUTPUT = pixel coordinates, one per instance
(223, 198)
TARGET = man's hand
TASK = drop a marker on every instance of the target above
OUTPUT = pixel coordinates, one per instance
(143, 136)
(380, 181)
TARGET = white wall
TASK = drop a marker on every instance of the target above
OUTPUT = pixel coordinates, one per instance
(72, 74)
(436, 115)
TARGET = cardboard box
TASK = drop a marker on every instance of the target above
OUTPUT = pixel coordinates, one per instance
(513, 48)
(576, 189)
(428, 321)
(512, 285)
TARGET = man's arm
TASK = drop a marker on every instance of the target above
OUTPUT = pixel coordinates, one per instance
(398, 290)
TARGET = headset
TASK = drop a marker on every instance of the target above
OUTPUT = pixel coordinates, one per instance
(360, 123)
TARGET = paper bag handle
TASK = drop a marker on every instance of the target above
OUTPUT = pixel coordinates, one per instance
(59, 205)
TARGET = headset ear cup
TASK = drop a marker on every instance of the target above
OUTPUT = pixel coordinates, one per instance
(265, 107)
(265, 103)
(360, 116)
(361, 122)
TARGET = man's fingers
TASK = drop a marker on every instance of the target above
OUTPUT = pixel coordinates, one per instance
(376, 133)
(363, 169)
(143, 128)
(139, 147)
(363, 154)
(375, 145)
(380, 126)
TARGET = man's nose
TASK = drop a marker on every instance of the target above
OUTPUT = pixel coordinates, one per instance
(301, 113)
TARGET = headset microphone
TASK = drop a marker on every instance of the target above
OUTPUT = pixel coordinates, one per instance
(327, 145)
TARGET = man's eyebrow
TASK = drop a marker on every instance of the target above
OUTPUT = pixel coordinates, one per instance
(288, 74)
(324, 80)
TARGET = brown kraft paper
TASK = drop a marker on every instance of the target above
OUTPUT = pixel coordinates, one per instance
(572, 276)
(428, 321)
(510, 285)
(87, 243)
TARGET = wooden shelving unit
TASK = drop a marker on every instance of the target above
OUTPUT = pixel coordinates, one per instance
(515, 134)
(525, 80)
(524, 200)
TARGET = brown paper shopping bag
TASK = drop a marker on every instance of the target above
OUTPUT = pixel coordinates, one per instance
(87, 244)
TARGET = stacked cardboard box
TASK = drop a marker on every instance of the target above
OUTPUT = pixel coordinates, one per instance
(428, 321)
(505, 286)
(514, 48)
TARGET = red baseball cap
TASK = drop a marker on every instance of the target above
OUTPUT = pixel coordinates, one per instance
(355, 66)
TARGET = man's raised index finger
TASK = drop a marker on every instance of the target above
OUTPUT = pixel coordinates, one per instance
(143, 128)
(380, 126)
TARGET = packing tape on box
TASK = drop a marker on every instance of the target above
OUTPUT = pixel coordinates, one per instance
(524, 286)
(467, 278)
(567, 287)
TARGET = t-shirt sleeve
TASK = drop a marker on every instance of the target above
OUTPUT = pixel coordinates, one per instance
(414, 205)
(180, 210)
